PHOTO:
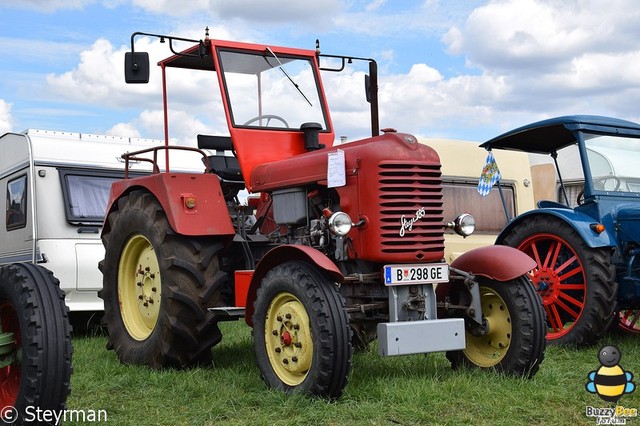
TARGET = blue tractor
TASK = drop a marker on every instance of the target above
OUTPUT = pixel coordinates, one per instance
(586, 241)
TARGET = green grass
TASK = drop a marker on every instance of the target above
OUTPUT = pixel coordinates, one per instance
(408, 390)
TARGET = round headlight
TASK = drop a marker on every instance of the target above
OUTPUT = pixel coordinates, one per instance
(340, 223)
(465, 224)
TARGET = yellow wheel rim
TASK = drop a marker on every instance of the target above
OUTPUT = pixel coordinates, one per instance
(139, 287)
(488, 350)
(288, 339)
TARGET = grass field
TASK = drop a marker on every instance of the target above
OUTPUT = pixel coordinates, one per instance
(408, 390)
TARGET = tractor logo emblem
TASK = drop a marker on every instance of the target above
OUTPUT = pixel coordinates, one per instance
(407, 224)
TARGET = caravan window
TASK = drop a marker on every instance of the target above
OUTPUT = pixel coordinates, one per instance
(86, 194)
(463, 197)
(17, 203)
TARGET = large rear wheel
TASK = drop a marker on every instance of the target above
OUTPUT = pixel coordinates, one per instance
(157, 287)
(576, 283)
(513, 337)
(301, 332)
(35, 342)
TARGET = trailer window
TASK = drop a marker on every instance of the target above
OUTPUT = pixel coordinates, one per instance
(463, 197)
(16, 203)
(86, 194)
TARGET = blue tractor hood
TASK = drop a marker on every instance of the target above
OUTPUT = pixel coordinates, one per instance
(627, 218)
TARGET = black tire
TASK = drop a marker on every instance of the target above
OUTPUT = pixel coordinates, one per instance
(32, 308)
(579, 316)
(174, 328)
(318, 319)
(515, 342)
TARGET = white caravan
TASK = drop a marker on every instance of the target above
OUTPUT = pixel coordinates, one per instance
(57, 185)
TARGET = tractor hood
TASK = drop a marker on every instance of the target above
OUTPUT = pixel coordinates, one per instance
(311, 167)
(627, 219)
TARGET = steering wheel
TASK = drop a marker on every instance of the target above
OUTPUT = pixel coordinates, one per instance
(580, 198)
(603, 181)
(267, 117)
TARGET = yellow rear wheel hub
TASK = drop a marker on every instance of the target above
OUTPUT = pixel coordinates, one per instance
(139, 287)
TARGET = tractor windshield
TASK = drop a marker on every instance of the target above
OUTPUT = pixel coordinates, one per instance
(269, 90)
(613, 162)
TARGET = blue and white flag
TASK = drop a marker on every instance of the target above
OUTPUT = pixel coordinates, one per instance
(490, 175)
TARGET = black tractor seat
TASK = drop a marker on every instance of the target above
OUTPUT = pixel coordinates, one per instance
(225, 166)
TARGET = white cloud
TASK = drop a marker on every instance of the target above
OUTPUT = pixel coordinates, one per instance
(48, 5)
(170, 7)
(401, 20)
(553, 57)
(98, 79)
(520, 34)
(527, 59)
(374, 5)
(317, 13)
(422, 100)
(124, 130)
(6, 121)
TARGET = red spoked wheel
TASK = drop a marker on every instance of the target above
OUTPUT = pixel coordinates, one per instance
(560, 280)
(575, 282)
(629, 320)
(9, 345)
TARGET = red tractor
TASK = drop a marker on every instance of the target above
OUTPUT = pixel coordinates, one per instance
(335, 246)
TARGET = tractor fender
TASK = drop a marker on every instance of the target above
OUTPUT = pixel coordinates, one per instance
(577, 220)
(209, 216)
(500, 263)
(288, 253)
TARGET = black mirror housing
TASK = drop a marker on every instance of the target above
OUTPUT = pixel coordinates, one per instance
(136, 67)
(367, 87)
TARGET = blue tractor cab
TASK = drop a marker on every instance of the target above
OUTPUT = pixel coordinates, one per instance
(586, 242)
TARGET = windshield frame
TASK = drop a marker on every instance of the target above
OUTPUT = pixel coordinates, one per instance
(601, 184)
(280, 61)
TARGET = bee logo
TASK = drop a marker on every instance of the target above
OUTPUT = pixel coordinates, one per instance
(610, 381)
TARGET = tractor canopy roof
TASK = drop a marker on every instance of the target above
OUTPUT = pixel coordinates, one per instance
(548, 136)
(198, 56)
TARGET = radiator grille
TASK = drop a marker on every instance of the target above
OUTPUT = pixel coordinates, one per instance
(410, 194)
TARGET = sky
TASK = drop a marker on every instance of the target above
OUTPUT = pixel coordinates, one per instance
(458, 69)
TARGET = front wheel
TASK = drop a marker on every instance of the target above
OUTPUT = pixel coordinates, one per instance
(513, 340)
(576, 282)
(35, 342)
(301, 332)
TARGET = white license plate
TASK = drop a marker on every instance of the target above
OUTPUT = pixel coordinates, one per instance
(416, 274)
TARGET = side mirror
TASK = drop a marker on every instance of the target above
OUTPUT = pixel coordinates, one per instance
(136, 67)
(367, 87)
